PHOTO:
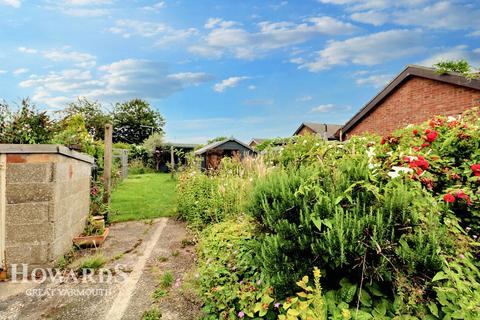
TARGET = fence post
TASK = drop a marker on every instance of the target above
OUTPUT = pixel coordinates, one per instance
(172, 161)
(3, 213)
(107, 163)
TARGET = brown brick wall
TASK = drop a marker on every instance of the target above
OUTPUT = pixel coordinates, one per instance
(415, 101)
(304, 131)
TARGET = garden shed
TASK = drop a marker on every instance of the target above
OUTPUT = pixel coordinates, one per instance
(171, 151)
(213, 153)
(44, 202)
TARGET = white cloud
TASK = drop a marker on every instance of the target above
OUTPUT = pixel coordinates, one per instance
(120, 80)
(162, 33)
(377, 18)
(81, 8)
(219, 22)
(445, 14)
(227, 37)
(323, 108)
(358, 5)
(92, 12)
(156, 7)
(455, 53)
(369, 50)
(442, 14)
(79, 59)
(228, 83)
(86, 2)
(3, 71)
(11, 3)
(27, 50)
(206, 51)
(305, 98)
(252, 87)
(20, 71)
(375, 80)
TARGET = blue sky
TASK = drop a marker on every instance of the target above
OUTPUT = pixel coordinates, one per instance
(241, 68)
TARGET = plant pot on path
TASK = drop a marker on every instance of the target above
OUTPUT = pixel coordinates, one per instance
(91, 241)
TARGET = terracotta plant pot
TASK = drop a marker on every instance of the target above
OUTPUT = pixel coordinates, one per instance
(91, 241)
(3, 275)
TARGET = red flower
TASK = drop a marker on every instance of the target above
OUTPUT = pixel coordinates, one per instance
(427, 131)
(476, 169)
(415, 132)
(431, 136)
(425, 145)
(421, 163)
(448, 198)
(418, 163)
(452, 124)
(382, 141)
(462, 195)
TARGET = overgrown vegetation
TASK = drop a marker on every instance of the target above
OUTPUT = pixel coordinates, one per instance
(386, 227)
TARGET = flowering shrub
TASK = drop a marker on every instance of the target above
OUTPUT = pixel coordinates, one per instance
(392, 223)
(444, 154)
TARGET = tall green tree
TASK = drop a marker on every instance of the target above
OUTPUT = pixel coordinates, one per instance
(135, 120)
(93, 113)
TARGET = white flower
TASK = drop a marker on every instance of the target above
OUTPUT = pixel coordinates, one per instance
(371, 152)
(372, 165)
(304, 141)
(397, 170)
(451, 119)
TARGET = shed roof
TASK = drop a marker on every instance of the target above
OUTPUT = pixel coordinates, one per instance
(181, 145)
(411, 71)
(320, 128)
(258, 140)
(217, 144)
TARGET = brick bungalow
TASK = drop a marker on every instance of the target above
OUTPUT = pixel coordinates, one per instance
(327, 131)
(415, 95)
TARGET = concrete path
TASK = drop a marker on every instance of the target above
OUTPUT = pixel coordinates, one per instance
(122, 301)
(142, 252)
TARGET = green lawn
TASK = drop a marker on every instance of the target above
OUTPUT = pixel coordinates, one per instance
(144, 196)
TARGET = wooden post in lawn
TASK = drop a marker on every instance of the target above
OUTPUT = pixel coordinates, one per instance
(107, 163)
(172, 161)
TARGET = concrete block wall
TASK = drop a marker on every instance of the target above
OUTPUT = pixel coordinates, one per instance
(47, 203)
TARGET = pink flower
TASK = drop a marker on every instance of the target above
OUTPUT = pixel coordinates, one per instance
(460, 194)
(431, 136)
(241, 314)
